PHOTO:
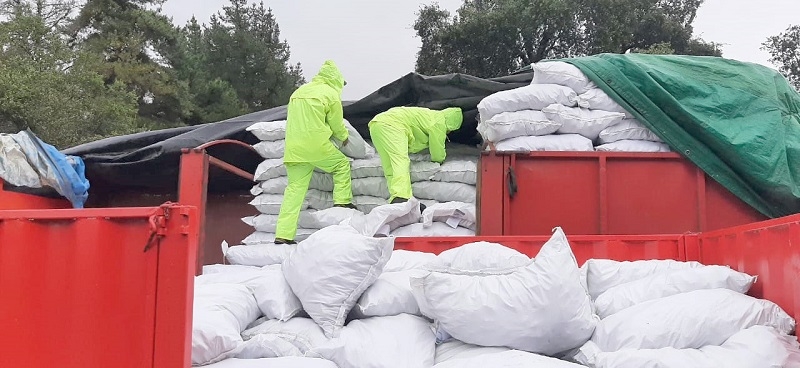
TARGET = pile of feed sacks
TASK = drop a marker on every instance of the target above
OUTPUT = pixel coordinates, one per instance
(346, 298)
(432, 183)
(562, 110)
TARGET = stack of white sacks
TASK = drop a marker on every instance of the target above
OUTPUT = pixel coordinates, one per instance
(562, 110)
(344, 298)
(452, 184)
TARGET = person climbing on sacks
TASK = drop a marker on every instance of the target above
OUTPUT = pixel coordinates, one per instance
(314, 115)
(403, 130)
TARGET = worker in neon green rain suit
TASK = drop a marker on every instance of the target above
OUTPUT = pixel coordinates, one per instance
(314, 115)
(401, 130)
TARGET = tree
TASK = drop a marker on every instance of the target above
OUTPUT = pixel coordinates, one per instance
(54, 13)
(53, 90)
(488, 38)
(244, 49)
(785, 53)
(135, 44)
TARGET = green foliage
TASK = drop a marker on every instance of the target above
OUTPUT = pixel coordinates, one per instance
(785, 53)
(52, 89)
(488, 38)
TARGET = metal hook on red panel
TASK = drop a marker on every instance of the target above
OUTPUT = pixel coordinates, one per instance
(158, 225)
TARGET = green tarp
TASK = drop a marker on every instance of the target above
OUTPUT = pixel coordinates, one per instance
(738, 122)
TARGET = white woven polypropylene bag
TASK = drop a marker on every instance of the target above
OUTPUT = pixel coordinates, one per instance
(517, 124)
(444, 192)
(688, 321)
(533, 97)
(561, 73)
(626, 145)
(665, 284)
(576, 120)
(603, 274)
(596, 99)
(331, 269)
(437, 229)
(490, 297)
(401, 341)
(269, 130)
(452, 213)
(556, 142)
(510, 358)
(458, 171)
(628, 129)
(390, 295)
(221, 312)
(382, 220)
(258, 255)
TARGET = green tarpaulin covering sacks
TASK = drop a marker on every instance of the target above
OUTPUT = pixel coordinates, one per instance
(739, 122)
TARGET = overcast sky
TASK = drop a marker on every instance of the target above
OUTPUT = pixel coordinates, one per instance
(373, 43)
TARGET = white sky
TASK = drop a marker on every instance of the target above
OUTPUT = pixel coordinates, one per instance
(373, 42)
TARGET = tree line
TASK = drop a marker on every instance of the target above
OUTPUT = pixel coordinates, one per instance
(74, 71)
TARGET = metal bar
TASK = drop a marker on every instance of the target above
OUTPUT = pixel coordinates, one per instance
(230, 168)
(193, 182)
(74, 214)
(224, 141)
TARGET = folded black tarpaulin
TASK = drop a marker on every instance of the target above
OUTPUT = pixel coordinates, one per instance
(151, 160)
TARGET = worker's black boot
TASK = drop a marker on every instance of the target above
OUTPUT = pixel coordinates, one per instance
(349, 205)
(284, 241)
(422, 207)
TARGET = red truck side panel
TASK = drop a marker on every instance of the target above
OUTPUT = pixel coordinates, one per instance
(80, 289)
(19, 201)
(768, 249)
(603, 193)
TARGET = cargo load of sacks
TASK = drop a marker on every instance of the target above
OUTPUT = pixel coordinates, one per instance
(389, 220)
(432, 183)
(345, 298)
(562, 110)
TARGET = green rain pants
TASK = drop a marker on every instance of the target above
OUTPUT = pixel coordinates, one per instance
(295, 193)
(391, 142)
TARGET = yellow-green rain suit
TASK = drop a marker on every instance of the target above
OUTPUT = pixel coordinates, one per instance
(314, 115)
(401, 130)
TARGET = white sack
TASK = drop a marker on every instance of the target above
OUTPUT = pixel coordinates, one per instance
(688, 320)
(226, 268)
(270, 169)
(274, 295)
(328, 217)
(318, 199)
(374, 186)
(508, 359)
(444, 192)
(556, 142)
(382, 220)
(356, 147)
(458, 171)
(628, 129)
(269, 131)
(331, 269)
(539, 306)
(258, 255)
(259, 237)
(513, 124)
(287, 362)
(437, 229)
(452, 213)
(366, 204)
(303, 333)
(220, 313)
(575, 120)
(268, 223)
(267, 346)
(563, 74)
(371, 168)
(634, 146)
(402, 341)
(455, 349)
(403, 260)
(755, 347)
(270, 204)
(661, 285)
(603, 274)
(596, 99)
(533, 97)
(390, 295)
(270, 149)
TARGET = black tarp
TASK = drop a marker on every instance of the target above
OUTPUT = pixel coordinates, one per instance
(150, 160)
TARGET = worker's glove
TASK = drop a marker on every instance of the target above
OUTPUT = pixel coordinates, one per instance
(346, 141)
